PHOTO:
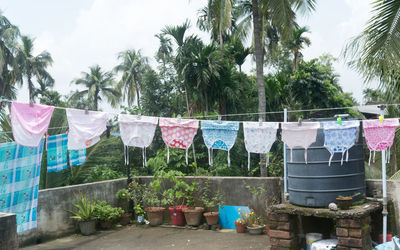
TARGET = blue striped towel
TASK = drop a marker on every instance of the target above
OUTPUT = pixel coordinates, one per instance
(19, 182)
(77, 157)
(57, 152)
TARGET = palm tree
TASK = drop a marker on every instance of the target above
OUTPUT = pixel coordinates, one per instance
(9, 73)
(98, 84)
(33, 66)
(375, 53)
(165, 49)
(296, 43)
(132, 66)
(44, 85)
(178, 33)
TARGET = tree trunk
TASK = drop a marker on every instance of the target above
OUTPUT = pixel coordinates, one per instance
(295, 59)
(187, 100)
(96, 100)
(137, 96)
(30, 87)
(206, 97)
(258, 50)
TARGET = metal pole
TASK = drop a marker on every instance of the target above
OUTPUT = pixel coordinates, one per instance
(384, 194)
(286, 194)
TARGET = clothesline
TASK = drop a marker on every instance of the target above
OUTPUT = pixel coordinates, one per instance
(238, 114)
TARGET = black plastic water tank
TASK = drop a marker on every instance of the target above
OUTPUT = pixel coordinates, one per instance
(316, 184)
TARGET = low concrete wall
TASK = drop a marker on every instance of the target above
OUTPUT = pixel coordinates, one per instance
(54, 221)
(374, 189)
(8, 232)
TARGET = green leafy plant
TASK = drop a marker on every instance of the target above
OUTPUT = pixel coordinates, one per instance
(253, 220)
(123, 194)
(86, 208)
(211, 202)
(106, 212)
(139, 210)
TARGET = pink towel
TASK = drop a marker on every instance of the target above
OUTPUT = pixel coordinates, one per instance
(379, 136)
(29, 124)
(178, 133)
(85, 129)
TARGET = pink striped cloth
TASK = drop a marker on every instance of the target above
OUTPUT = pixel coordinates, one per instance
(29, 124)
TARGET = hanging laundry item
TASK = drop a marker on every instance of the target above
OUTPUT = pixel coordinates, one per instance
(178, 133)
(259, 137)
(77, 157)
(85, 129)
(339, 138)
(57, 152)
(19, 182)
(29, 123)
(137, 131)
(379, 136)
(219, 135)
(296, 135)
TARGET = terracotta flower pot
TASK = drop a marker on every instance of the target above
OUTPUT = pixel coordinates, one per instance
(125, 219)
(211, 218)
(240, 227)
(193, 215)
(256, 229)
(155, 215)
(177, 217)
(87, 227)
(344, 203)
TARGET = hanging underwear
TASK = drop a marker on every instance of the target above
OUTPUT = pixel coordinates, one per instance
(219, 135)
(29, 124)
(339, 138)
(137, 131)
(379, 136)
(295, 135)
(259, 137)
(85, 129)
(178, 133)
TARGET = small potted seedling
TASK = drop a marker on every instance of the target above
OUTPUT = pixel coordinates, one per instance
(192, 214)
(85, 214)
(344, 202)
(211, 203)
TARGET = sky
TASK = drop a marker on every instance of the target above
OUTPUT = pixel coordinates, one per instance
(82, 33)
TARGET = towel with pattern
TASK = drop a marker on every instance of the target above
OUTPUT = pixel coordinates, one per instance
(77, 157)
(219, 135)
(57, 152)
(19, 182)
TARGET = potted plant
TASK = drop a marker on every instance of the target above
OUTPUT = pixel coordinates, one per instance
(140, 213)
(107, 214)
(85, 214)
(123, 198)
(136, 195)
(153, 207)
(344, 202)
(211, 203)
(241, 222)
(192, 214)
(255, 223)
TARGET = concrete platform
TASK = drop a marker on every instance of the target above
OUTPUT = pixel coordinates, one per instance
(132, 237)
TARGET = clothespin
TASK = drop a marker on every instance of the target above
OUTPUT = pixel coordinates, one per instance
(139, 116)
(381, 118)
(219, 118)
(300, 121)
(86, 110)
(260, 121)
(179, 118)
(339, 120)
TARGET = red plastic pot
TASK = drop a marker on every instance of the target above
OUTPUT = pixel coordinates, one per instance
(388, 238)
(177, 217)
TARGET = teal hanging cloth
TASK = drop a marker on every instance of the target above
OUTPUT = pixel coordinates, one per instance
(57, 152)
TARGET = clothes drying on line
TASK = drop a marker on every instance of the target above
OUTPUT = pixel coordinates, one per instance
(29, 122)
(379, 135)
(259, 137)
(77, 157)
(85, 128)
(219, 135)
(56, 146)
(178, 133)
(137, 131)
(339, 138)
(19, 182)
(299, 135)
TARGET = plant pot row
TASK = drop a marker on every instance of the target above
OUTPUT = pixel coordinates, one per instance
(181, 215)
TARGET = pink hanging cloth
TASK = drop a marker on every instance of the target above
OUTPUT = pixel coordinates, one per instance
(379, 136)
(178, 133)
(30, 123)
